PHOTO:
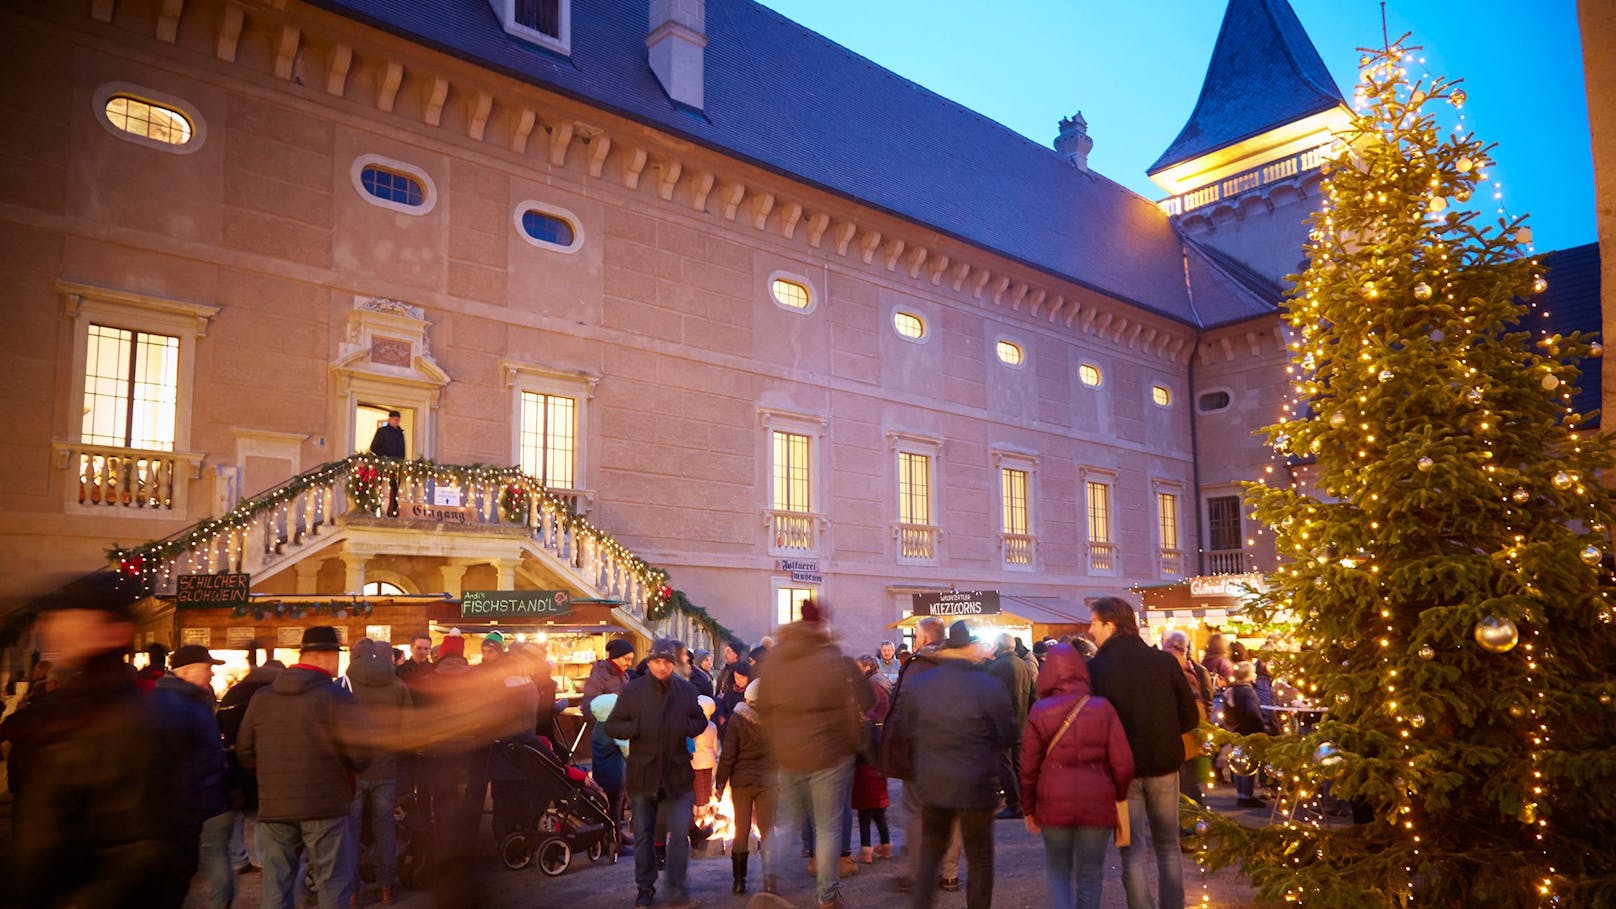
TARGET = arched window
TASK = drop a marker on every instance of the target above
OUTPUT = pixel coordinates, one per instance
(382, 589)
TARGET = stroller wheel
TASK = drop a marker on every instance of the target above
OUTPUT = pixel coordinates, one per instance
(600, 848)
(554, 856)
(516, 852)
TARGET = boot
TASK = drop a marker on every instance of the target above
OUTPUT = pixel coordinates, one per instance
(883, 851)
(737, 862)
(866, 855)
(847, 867)
(771, 884)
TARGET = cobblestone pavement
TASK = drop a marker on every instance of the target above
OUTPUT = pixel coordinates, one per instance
(1019, 881)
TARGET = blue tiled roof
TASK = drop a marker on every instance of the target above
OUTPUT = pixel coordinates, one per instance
(794, 102)
(1572, 304)
(1264, 73)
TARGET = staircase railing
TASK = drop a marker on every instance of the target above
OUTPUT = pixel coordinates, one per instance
(267, 529)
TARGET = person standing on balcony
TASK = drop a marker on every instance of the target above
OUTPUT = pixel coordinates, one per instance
(388, 442)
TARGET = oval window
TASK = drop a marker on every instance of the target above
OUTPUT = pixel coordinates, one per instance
(1010, 353)
(1090, 375)
(149, 121)
(790, 294)
(909, 325)
(547, 228)
(392, 186)
(1162, 395)
(1212, 401)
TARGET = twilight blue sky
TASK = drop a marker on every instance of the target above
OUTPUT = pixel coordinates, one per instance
(1134, 69)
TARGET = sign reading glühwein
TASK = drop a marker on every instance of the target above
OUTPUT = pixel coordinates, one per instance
(514, 605)
(208, 591)
(957, 603)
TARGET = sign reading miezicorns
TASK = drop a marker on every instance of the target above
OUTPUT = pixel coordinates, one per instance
(957, 603)
(514, 605)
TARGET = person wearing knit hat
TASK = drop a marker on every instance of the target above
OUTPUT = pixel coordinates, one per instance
(610, 675)
(493, 647)
(453, 646)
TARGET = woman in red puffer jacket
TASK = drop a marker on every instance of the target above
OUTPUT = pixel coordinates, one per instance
(1070, 794)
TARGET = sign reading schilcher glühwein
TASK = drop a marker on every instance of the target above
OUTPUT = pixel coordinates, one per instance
(202, 591)
(957, 603)
(514, 605)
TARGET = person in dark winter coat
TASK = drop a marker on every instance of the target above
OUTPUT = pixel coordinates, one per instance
(701, 674)
(956, 752)
(746, 766)
(609, 766)
(895, 758)
(386, 703)
(156, 668)
(812, 703)
(608, 676)
(240, 784)
(1076, 765)
(1151, 695)
(1020, 680)
(188, 738)
(301, 737)
(870, 797)
(656, 713)
(1242, 715)
(86, 822)
(735, 679)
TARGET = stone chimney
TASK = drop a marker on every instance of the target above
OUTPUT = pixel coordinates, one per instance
(678, 34)
(1074, 141)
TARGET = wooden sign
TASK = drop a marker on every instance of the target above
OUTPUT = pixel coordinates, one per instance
(211, 591)
(514, 605)
(957, 603)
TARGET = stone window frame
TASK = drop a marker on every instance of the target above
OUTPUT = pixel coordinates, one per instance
(505, 10)
(554, 211)
(104, 94)
(794, 278)
(429, 188)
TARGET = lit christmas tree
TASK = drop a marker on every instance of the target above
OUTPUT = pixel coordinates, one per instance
(1445, 558)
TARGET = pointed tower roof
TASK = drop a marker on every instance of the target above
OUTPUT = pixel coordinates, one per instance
(1264, 73)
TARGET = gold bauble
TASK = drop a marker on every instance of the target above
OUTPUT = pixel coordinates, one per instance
(1496, 635)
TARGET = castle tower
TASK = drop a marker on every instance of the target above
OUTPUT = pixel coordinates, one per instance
(1242, 171)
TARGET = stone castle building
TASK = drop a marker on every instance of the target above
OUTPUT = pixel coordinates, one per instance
(685, 263)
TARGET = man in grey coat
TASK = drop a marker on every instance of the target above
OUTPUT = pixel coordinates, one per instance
(301, 737)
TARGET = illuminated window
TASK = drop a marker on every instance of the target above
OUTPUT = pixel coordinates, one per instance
(131, 389)
(914, 488)
(392, 184)
(790, 294)
(145, 117)
(1167, 516)
(150, 121)
(1162, 395)
(1212, 401)
(1099, 501)
(909, 325)
(1013, 490)
(547, 228)
(549, 439)
(792, 472)
(788, 603)
(1010, 353)
(380, 589)
(1090, 375)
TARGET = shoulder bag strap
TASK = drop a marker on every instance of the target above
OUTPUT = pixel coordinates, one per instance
(1050, 748)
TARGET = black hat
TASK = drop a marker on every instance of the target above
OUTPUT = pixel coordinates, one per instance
(617, 648)
(321, 637)
(394, 413)
(192, 653)
(662, 649)
(959, 635)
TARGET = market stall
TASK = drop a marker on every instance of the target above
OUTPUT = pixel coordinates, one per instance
(991, 613)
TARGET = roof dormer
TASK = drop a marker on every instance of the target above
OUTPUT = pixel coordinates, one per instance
(1267, 96)
(547, 23)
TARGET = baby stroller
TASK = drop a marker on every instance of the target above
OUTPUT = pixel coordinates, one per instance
(574, 815)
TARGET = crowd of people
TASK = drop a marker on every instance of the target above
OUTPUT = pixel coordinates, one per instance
(129, 787)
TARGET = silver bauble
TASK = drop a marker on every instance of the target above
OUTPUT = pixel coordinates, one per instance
(1338, 419)
(1496, 635)
(1473, 396)
(1241, 761)
(1422, 291)
(1342, 698)
(1539, 284)
(1202, 827)
(1386, 375)
(1591, 555)
(1596, 349)
(1520, 495)
(1329, 759)
(1562, 480)
(1427, 652)
(1425, 464)
(1417, 720)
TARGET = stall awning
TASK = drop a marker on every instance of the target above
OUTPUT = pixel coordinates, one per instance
(1025, 610)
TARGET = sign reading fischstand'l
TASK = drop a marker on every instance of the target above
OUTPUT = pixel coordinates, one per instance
(514, 605)
(210, 591)
(957, 603)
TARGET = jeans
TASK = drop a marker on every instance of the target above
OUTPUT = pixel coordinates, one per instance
(808, 835)
(327, 842)
(879, 816)
(672, 813)
(912, 836)
(374, 799)
(824, 793)
(1079, 850)
(217, 868)
(976, 829)
(1153, 812)
(244, 839)
(1245, 785)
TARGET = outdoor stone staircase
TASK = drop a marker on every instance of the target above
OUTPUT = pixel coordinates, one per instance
(316, 510)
